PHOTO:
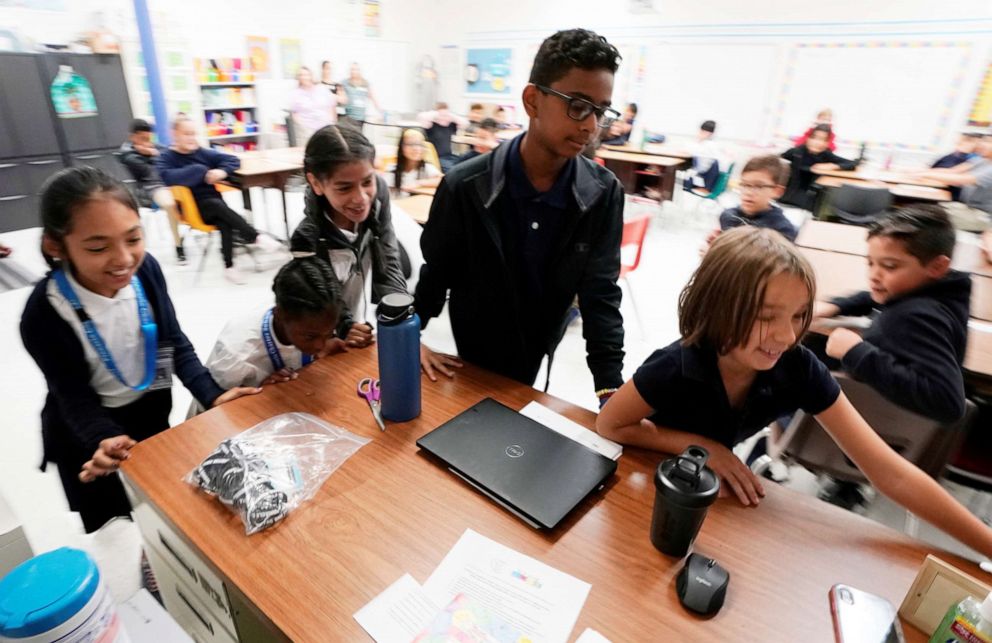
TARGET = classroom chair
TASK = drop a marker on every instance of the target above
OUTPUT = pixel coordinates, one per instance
(859, 205)
(927, 443)
(631, 247)
(971, 466)
(189, 214)
(718, 189)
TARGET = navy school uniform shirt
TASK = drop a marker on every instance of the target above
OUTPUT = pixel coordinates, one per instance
(177, 168)
(772, 218)
(682, 384)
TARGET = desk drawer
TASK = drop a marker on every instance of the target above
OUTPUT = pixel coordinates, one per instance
(181, 602)
(206, 586)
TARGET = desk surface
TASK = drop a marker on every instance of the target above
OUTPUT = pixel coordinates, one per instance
(637, 157)
(905, 178)
(906, 192)
(654, 149)
(850, 239)
(287, 159)
(839, 274)
(422, 190)
(390, 510)
(417, 206)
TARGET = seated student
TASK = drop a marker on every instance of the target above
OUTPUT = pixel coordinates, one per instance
(349, 225)
(973, 211)
(272, 343)
(499, 115)
(476, 114)
(86, 326)
(138, 154)
(913, 352)
(705, 170)
(620, 131)
(440, 124)
(412, 168)
(739, 365)
(806, 159)
(762, 181)
(964, 151)
(486, 140)
(200, 169)
(823, 117)
(513, 236)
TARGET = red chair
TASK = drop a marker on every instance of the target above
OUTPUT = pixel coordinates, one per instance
(631, 247)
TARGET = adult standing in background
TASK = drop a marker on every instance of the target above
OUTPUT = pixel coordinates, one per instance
(359, 94)
(313, 106)
(326, 79)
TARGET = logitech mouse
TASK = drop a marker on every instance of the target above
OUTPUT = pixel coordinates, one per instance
(702, 585)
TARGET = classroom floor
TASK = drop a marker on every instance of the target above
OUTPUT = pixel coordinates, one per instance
(204, 302)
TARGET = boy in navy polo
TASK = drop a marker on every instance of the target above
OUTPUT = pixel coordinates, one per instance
(515, 235)
(763, 179)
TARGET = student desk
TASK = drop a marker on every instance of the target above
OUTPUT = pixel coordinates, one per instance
(899, 178)
(904, 193)
(422, 190)
(268, 169)
(626, 165)
(417, 206)
(390, 510)
(656, 149)
(852, 240)
(839, 274)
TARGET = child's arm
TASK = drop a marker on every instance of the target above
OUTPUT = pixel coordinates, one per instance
(623, 419)
(387, 273)
(898, 479)
(221, 161)
(856, 305)
(442, 259)
(189, 175)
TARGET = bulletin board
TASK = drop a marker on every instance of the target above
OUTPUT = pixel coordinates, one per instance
(893, 94)
(981, 109)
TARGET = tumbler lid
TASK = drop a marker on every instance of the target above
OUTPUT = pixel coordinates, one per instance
(687, 480)
(394, 307)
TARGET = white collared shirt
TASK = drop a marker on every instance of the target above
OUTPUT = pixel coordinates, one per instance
(116, 319)
(239, 357)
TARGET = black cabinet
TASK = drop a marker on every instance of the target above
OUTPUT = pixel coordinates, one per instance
(25, 107)
(21, 181)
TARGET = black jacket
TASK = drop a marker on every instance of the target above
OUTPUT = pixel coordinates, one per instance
(73, 421)
(142, 169)
(913, 352)
(798, 192)
(376, 244)
(465, 254)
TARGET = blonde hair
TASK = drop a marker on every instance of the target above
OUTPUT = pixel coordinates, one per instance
(721, 302)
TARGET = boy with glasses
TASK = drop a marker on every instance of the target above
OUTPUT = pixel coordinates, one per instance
(762, 181)
(515, 235)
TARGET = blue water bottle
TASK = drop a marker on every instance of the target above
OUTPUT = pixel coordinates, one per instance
(399, 357)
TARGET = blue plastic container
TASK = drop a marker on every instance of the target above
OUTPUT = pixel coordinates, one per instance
(399, 357)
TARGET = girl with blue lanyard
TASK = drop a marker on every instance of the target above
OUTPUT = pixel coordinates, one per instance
(103, 331)
(271, 344)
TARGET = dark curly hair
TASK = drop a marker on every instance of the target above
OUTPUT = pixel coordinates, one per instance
(307, 285)
(569, 49)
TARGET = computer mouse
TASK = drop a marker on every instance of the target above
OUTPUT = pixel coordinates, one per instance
(702, 585)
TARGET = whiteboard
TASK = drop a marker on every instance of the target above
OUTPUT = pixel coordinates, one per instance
(688, 83)
(881, 93)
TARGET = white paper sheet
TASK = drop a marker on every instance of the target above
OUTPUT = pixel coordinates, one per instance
(592, 636)
(557, 422)
(534, 598)
(399, 613)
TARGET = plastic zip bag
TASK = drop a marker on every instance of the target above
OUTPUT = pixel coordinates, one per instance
(265, 472)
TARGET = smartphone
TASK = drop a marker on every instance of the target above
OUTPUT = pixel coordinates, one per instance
(860, 617)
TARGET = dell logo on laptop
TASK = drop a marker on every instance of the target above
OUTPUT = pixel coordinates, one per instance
(514, 451)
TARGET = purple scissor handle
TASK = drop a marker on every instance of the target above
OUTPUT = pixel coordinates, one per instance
(368, 388)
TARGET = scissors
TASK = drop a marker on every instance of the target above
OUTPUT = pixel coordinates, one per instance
(369, 389)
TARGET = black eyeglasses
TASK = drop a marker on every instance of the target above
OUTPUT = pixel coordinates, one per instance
(579, 109)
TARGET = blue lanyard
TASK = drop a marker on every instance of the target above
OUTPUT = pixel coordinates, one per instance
(148, 329)
(270, 344)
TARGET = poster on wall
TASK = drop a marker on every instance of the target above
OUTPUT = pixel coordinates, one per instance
(981, 109)
(372, 14)
(290, 56)
(487, 71)
(72, 95)
(259, 58)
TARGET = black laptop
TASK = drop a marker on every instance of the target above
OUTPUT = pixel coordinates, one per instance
(536, 473)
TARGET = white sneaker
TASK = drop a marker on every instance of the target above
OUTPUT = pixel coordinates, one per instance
(267, 243)
(232, 275)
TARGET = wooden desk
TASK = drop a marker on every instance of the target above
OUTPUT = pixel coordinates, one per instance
(390, 510)
(883, 176)
(417, 206)
(423, 190)
(839, 274)
(626, 165)
(850, 239)
(654, 149)
(268, 169)
(902, 193)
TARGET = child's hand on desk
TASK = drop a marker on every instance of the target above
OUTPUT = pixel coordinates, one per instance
(107, 458)
(360, 335)
(734, 474)
(282, 375)
(431, 361)
(232, 394)
(333, 347)
(840, 341)
(214, 176)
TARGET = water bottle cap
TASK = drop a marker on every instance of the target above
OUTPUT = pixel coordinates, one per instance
(687, 480)
(395, 307)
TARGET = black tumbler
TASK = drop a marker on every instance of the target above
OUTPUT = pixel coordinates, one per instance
(684, 489)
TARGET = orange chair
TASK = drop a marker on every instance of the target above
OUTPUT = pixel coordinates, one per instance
(189, 213)
(631, 247)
